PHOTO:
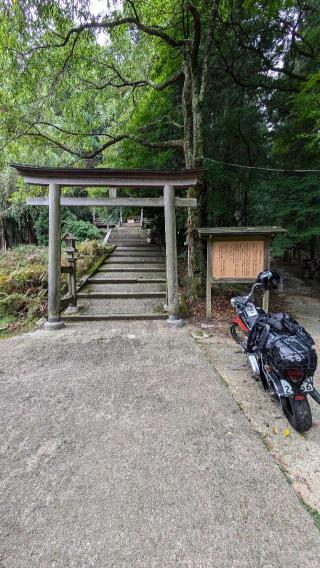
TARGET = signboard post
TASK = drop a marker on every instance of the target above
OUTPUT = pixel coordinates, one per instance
(237, 255)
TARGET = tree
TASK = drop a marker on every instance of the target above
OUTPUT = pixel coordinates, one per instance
(67, 50)
(226, 64)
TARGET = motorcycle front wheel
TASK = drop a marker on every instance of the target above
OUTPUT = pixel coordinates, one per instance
(298, 413)
(239, 335)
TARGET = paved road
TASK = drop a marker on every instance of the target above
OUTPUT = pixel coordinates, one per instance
(120, 447)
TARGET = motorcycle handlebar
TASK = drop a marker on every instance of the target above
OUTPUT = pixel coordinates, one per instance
(254, 286)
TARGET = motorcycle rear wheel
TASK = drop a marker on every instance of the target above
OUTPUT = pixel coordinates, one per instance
(298, 413)
(239, 335)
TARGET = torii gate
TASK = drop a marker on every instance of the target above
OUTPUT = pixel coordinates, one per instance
(56, 178)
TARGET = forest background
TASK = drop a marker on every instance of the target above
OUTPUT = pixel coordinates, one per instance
(166, 84)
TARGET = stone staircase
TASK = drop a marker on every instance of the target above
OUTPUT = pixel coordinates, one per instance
(129, 235)
(131, 284)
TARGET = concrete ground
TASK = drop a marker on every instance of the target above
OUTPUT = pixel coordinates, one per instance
(121, 447)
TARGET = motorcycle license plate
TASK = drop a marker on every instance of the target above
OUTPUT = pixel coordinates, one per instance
(307, 385)
(287, 388)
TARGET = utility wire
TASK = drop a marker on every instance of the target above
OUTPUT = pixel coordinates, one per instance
(260, 167)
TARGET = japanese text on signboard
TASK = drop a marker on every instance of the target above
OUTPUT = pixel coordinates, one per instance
(237, 258)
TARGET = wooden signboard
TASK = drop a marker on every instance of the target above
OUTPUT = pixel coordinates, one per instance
(237, 255)
(240, 259)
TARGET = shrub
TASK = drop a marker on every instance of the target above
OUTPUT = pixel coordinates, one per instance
(82, 230)
(12, 305)
(88, 252)
(22, 279)
(41, 225)
(92, 248)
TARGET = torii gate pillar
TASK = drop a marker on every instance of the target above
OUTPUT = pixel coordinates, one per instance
(171, 255)
(54, 265)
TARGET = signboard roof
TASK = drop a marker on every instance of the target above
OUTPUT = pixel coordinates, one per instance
(240, 231)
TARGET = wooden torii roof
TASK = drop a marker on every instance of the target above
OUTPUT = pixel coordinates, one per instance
(87, 177)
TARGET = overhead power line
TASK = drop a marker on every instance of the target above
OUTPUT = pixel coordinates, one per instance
(261, 167)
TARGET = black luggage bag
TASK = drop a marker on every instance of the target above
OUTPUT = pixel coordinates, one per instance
(285, 343)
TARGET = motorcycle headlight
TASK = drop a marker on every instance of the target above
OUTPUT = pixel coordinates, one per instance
(233, 302)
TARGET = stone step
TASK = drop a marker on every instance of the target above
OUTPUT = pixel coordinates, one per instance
(124, 237)
(88, 295)
(129, 236)
(124, 233)
(134, 260)
(131, 231)
(109, 287)
(138, 252)
(113, 317)
(96, 306)
(128, 281)
(115, 275)
(141, 254)
(143, 287)
(127, 244)
(139, 249)
(135, 255)
(132, 269)
(126, 266)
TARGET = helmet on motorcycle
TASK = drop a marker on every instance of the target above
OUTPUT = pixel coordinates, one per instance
(269, 279)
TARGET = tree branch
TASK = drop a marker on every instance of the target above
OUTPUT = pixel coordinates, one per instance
(114, 140)
(109, 25)
(66, 61)
(236, 27)
(84, 155)
(69, 132)
(137, 83)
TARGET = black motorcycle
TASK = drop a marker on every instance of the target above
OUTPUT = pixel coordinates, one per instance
(280, 353)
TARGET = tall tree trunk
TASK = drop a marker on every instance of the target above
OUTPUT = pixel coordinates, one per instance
(193, 152)
(196, 71)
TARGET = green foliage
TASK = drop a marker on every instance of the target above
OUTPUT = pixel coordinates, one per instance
(41, 226)
(23, 279)
(12, 305)
(82, 230)
(26, 278)
(261, 106)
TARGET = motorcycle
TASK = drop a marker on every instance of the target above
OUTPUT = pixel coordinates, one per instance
(280, 353)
